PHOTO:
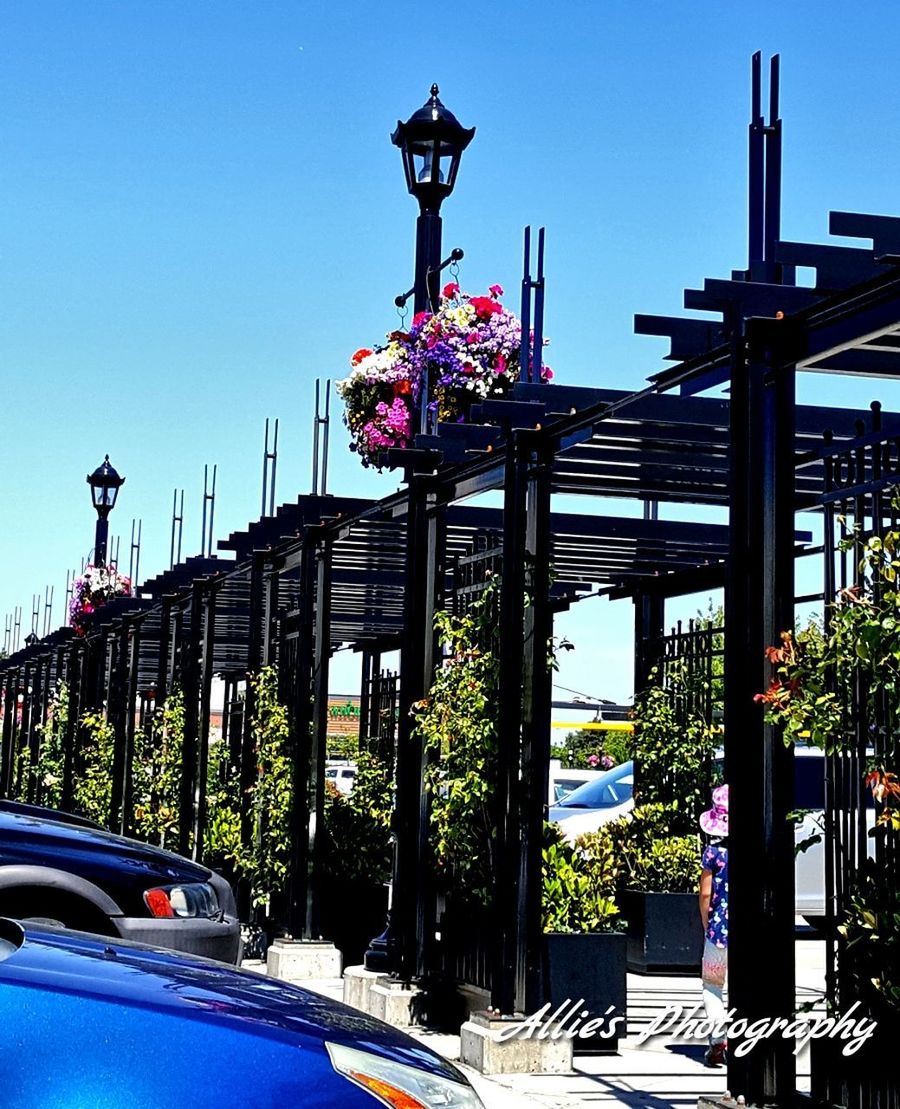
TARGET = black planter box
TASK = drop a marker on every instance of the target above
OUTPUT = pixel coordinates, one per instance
(352, 913)
(664, 933)
(590, 968)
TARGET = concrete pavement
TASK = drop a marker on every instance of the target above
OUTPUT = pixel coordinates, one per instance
(658, 1074)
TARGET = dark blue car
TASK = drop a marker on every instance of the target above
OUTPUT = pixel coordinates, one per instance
(92, 1024)
(66, 871)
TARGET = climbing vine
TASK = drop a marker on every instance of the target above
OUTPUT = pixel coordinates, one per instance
(457, 721)
(265, 863)
(48, 770)
(157, 773)
(93, 780)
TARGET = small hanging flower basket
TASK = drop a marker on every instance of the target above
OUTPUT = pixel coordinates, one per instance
(467, 351)
(96, 587)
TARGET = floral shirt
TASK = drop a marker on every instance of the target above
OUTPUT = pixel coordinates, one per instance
(715, 860)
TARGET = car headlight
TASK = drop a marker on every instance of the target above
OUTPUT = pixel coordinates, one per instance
(398, 1085)
(193, 899)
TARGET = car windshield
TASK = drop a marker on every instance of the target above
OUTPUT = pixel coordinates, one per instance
(564, 786)
(610, 789)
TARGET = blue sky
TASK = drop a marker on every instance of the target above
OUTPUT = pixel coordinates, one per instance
(202, 212)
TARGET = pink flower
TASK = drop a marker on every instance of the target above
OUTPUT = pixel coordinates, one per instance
(593, 760)
(500, 364)
(496, 290)
(450, 290)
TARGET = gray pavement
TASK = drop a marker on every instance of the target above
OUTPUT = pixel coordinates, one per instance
(659, 1073)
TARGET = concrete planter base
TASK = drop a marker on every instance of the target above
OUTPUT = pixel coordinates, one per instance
(482, 1047)
(302, 960)
(357, 983)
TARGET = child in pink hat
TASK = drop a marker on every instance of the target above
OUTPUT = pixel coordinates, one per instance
(714, 916)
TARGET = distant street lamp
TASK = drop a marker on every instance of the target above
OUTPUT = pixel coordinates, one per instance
(104, 483)
(431, 141)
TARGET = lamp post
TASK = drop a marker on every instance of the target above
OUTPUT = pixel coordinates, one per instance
(104, 483)
(431, 142)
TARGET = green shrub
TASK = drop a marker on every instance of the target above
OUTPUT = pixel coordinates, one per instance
(650, 857)
(579, 884)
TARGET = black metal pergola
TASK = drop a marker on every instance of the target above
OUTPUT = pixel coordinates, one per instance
(324, 573)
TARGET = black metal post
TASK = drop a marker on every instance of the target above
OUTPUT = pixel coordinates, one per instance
(248, 758)
(426, 905)
(207, 651)
(162, 668)
(190, 679)
(759, 600)
(9, 730)
(300, 704)
(507, 986)
(316, 783)
(74, 681)
(397, 949)
(365, 694)
(134, 660)
(537, 694)
(426, 292)
(101, 537)
(117, 711)
(649, 626)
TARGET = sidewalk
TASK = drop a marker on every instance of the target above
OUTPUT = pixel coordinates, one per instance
(657, 1074)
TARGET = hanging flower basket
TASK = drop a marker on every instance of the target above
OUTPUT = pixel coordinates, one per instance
(96, 587)
(467, 351)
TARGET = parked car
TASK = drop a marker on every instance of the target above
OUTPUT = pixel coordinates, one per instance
(70, 873)
(562, 782)
(341, 775)
(591, 805)
(92, 1022)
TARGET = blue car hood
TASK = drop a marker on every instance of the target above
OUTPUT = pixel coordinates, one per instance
(26, 838)
(187, 988)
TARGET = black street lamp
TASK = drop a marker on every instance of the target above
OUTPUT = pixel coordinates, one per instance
(431, 141)
(104, 483)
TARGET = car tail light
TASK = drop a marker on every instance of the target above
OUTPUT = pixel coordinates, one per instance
(194, 899)
(401, 1086)
(158, 903)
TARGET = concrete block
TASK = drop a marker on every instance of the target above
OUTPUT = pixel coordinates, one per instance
(300, 960)
(357, 983)
(486, 1045)
(395, 1003)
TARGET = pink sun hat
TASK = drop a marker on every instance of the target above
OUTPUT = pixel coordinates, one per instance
(715, 820)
